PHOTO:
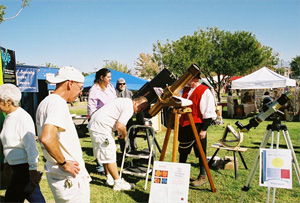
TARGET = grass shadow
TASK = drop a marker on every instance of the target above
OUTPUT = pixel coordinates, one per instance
(88, 151)
(138, 195)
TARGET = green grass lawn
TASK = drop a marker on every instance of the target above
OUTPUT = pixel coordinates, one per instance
(227, 188)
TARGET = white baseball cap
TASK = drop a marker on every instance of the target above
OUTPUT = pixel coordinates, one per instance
(66, 73)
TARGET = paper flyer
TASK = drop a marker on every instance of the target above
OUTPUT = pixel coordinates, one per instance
(170, 182)
(276, 168)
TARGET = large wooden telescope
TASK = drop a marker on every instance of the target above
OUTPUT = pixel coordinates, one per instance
(174, 90)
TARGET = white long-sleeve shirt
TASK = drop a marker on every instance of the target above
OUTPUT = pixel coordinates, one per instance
(18, 139)
(207, 103)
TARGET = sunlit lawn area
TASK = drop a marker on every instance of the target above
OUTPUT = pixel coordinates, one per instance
(228, 189)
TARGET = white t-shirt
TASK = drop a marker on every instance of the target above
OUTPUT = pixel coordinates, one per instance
(104, 120)
(54, 110)
(18, 139)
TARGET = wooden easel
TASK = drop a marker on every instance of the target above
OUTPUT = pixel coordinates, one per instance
(175, 119)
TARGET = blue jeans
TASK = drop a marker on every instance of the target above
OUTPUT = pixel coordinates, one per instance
(19, 179)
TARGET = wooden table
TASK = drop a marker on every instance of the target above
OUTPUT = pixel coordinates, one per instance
(218, 146)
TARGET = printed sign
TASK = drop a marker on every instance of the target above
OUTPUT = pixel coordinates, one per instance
(8, 62)
(170, 182)
(276, 168)
(27, 79)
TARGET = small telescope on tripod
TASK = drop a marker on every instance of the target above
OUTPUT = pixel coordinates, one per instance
(267, 110)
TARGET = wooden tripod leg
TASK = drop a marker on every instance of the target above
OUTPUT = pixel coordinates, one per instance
(175, 141)
(202, 152)
(168, 133)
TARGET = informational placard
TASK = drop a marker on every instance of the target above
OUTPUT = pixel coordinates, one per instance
(276, 168)
(170, 182)
(8, 65)
(27, 79)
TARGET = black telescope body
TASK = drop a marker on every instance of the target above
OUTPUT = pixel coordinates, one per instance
(267, 110)
(163, 79)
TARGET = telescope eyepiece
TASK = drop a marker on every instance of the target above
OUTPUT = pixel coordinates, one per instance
(239, 125)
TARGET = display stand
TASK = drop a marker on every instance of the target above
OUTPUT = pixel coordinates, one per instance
(275, 126)
(234, 150)
(174, 119)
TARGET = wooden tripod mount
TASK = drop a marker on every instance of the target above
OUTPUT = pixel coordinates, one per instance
(175, 119)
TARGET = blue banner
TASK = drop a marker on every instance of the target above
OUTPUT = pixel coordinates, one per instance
(27, 79)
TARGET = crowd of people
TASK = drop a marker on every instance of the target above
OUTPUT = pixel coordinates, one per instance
(110, 109)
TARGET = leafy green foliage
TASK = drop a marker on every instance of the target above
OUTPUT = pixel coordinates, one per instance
(115, 65)
(2, 12)
(217, 52)
(51, 65)
(146, 66)
(3, 8)
(295, 66)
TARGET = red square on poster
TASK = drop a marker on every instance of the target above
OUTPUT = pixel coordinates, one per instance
(285, 173)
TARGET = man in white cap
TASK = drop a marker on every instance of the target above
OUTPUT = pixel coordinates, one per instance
(65, 168)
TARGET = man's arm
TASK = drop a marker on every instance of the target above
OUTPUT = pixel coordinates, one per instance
(29, 143)
(206, 124)
(49, 140)
(121, 128)
(208, 110)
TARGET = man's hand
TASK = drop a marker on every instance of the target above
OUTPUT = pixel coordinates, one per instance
(121, 136)
(35, 176)
(121, 128)
(71, 167)
(202, 134)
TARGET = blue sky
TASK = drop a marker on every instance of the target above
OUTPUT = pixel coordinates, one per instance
(84, 33)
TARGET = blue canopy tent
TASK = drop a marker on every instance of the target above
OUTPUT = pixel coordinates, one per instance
(132, 82)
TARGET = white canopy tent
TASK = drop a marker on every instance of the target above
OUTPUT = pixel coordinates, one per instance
(263, 78)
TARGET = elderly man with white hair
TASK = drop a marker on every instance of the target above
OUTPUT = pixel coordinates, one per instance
(65, 167)
(19, 148)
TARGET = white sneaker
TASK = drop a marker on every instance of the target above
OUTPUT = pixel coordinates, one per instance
(110, 181)
(100, 169)
(123, 185)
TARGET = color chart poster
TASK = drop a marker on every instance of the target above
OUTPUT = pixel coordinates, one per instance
(170, 182)
(276, 168)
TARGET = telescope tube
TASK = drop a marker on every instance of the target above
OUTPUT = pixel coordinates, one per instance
(175, 89)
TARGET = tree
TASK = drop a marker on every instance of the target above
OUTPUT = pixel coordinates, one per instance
(50, 65)
(146, 66)
(117, 66)
(295, 66)
(3, 8)
(279, 70)
(217, 52)
(85, 74)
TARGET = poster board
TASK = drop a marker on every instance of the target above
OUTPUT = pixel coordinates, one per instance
(27, 79)
(276, 168)
(170, 182)
(8, 65)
